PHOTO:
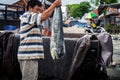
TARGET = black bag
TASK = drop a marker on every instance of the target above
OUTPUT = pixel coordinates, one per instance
(93, 66)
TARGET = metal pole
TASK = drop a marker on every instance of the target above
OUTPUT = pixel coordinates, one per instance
(5, 11)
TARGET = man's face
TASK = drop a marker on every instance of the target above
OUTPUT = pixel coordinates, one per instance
(37, 9)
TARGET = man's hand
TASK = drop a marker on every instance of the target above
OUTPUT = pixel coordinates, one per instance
(57, 3)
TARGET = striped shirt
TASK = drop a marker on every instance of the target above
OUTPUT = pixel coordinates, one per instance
(31, 43)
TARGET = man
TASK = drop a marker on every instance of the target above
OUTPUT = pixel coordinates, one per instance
(46, 30)
(31, 44)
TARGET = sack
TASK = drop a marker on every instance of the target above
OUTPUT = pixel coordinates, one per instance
(93, 66)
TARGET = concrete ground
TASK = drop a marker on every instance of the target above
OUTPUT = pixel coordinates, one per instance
(114, 70)
(73, 29)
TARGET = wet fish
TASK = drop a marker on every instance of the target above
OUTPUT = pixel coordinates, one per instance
(57, 45)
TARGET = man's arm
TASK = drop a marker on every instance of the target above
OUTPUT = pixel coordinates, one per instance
(45, 14)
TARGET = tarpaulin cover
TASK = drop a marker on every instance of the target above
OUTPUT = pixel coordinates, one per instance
(49, 69)
(81, 52)
(9, 66)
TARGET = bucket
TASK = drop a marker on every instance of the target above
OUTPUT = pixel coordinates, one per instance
(9, 27)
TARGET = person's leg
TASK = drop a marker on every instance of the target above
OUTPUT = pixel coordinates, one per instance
(45, 27)
(29, 69)
(44, 31)
(48, 33)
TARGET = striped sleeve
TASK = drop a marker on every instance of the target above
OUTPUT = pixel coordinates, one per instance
(38, 19)
(31, 18)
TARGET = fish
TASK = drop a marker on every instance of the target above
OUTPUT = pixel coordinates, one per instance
(57, 44)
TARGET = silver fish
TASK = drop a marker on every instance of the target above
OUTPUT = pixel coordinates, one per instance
(57, 45)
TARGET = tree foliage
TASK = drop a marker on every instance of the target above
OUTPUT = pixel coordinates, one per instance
(78, 10)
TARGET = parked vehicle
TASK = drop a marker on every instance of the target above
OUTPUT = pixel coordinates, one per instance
(9, 17)
(95, 26)
(98, 29)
